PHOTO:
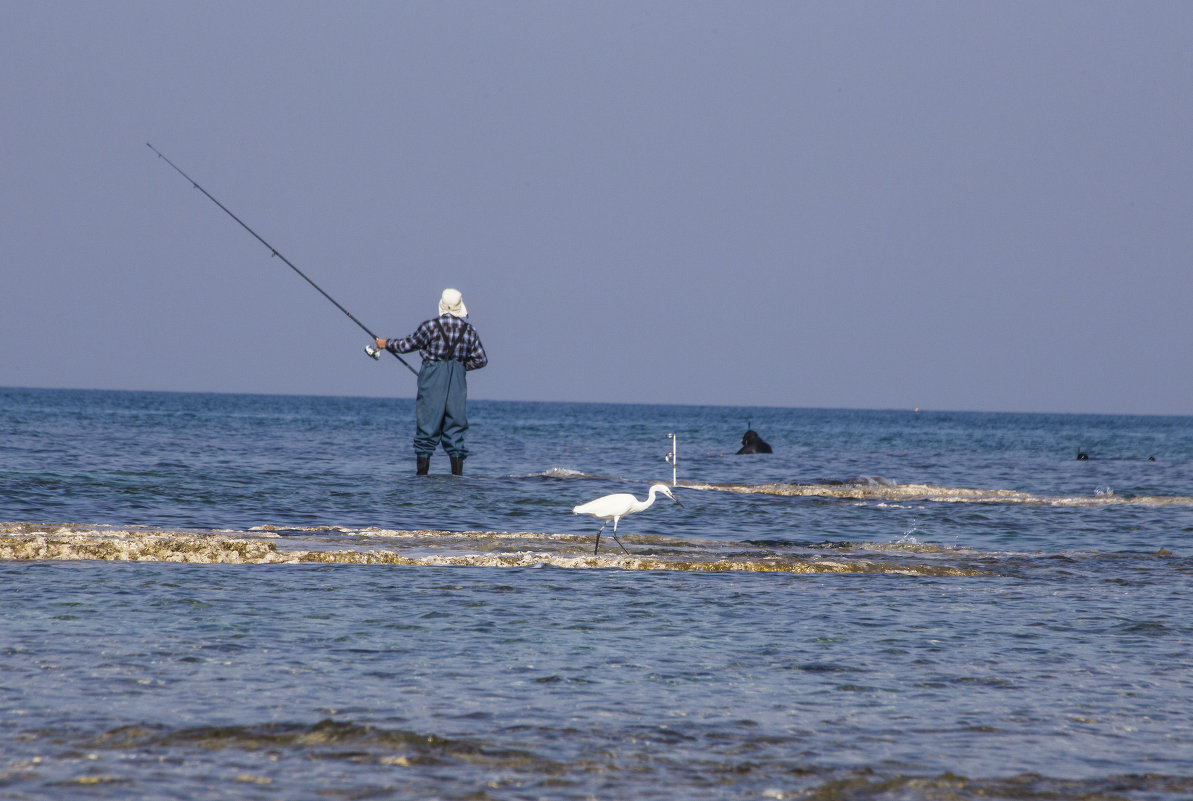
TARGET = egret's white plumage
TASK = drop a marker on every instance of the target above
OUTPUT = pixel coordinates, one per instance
(616, 506)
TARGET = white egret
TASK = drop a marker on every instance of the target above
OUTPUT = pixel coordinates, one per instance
(616, 506)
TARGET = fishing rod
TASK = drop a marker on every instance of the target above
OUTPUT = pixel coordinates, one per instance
(370, 349)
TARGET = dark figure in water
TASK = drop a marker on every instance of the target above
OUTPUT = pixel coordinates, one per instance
(752, 443)
(1082, 456)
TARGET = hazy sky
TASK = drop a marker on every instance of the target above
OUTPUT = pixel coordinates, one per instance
(954, 205)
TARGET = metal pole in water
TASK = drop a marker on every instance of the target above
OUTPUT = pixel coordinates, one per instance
(672, 456)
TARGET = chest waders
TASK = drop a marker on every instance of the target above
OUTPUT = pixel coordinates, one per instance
(441, 408)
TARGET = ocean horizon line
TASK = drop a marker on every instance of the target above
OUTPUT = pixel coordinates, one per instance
(595, 403)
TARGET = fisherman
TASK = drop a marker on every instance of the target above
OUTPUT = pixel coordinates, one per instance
(752, 443)
(449, 347)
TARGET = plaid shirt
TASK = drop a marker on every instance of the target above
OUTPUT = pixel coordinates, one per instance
(428, 340)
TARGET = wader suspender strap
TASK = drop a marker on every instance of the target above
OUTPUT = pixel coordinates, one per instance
(451, 346)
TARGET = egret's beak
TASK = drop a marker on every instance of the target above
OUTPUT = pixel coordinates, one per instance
(676, 500)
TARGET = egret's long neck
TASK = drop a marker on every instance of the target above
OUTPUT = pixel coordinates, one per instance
(649, 499)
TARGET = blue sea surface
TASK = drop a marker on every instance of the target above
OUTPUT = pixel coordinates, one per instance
(243, 597)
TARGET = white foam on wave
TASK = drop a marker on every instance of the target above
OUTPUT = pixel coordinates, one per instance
(562, 472)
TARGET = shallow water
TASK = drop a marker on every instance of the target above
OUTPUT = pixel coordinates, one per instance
(251, 597)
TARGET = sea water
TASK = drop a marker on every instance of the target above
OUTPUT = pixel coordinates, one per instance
(222, 596)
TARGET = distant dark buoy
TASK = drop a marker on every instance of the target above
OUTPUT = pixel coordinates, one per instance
(752, 443)
(1082, 456)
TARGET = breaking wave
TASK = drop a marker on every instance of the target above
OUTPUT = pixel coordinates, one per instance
(268, 545)
(875, 488)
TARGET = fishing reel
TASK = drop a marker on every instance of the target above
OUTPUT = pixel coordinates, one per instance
(374, 353)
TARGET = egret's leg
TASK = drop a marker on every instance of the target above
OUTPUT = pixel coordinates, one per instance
(615, 538)
(598, 540)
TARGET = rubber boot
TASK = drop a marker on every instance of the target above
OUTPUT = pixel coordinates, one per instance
(424, 464)
(457, 465)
